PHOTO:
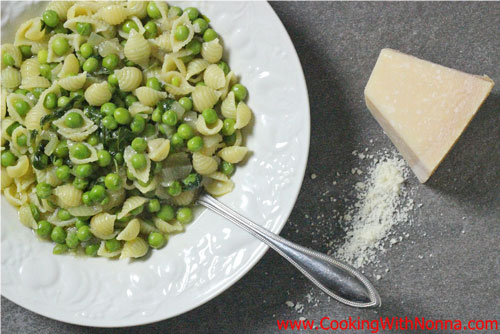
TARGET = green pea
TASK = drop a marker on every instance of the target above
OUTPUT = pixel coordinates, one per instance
(230, 140)
(83, 28)
(157, 115)
(185, 131)
(42, 56)
(156, 239)
(12, 127)
(209, 35)
(195, 144)
(22, 140)
(80, 221)
(26, 51)
(174, 189)
(83, 171)
(130, 99)
(228, 127)
(166, 213)
(192, 12)
(44, 229)
(210, 116)
(110, 61)
(63, 101)
(129, 63)
(119, 158)
(83, 233)
(35, 212)
(45, 71)
(63, 214)
(138, 124)
(91, 250)
(122, 116)
(186, 103)
(223, 65)
(202, 25)
(103, 158)
(176, 81)
(176, 140)
(157, 167)
(61, 150)
(21, 91)
(58, 162)
(60, 46)
(240, 92)
(139, 144)
(93, 139)
(76, 93)
(58, 235)
(151, 30)
(112, 181)
(181, 33)
(153, 83)
(137, 211)
(109, 122)
(91, 65)
(59, 29)
(86, 198)
(97, 193)
(108, 108)
(200, 83)
(187, 59)
(50, 18)
(22, 107)
(174, 11)
(169, 118)
(153, 205)
(73, 120)
(63, 173)
(184, 215)
(8, 60)
(86, 50)
(80, 183)
(37, 92)
(43, 190)
(113, 80)
(128, 25)
(153, 11)
(80, 151)
(50, 102)
(139, 161)
(59, 249)
(112, 245)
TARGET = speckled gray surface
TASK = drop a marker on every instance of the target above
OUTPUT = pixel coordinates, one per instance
(449, 265)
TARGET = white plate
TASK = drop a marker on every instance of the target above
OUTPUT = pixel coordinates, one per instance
(212, 254)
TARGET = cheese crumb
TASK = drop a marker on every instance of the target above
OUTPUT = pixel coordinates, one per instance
(289, 303)
(313, 176)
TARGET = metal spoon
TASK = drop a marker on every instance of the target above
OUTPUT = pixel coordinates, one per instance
(338, 280)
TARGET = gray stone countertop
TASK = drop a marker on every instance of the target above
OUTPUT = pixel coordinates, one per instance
(449, 265)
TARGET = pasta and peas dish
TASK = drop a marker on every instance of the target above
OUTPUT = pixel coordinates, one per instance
(114, 115)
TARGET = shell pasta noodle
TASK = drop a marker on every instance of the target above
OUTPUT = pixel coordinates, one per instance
(115, 116)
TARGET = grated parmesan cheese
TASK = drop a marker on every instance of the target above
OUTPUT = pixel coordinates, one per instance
(380, 205)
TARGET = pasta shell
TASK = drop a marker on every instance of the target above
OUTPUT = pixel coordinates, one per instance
(131, 231)
(98, 94)
(113, 14)
(149, 96)
(214, 77)
(137, 49)
(68, 196)
(204, 98)
(158, 149)
(204, 165)
(102, 225)
(243, 115)
(212, 51)
(134, 248)
(73, 83)
(129, 78)
(233, 154)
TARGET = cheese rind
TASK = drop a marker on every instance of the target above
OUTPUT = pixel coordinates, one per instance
(423, 107)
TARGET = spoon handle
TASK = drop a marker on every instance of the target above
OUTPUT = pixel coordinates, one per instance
(340, 281)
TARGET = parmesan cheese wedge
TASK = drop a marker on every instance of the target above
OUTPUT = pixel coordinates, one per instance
(423, 107)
